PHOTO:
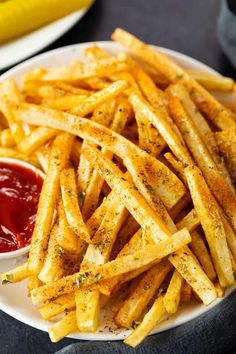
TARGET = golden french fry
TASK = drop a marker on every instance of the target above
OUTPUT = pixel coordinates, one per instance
(99, 98)
(47, 201)
(139, 298)
(216, 112)
(170, 191)
(65, 326)
(37, 137)
(172, 297)
(87, 300)
(110, 269)
(53, 265)
(66, 237)
(154, 316)
(57, 306)
(210, 218)
(71, 203)
(80, 71)
(212, 81)
(202, 127)
(33, 283)
(16, 274)
(221, 189)
(226, 141)
(201, 252)
(6, 138)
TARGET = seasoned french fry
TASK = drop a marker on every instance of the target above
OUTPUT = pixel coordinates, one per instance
(161, 121)
(58, 156)
(226, 141)
(37, 137)
(7, 139)
(222, 191)
(200, 250)
(216, 112)
(33, 283)
(212, 81)
(94, 53)
(80, 71)
(102, 115)
(96, 182)
(71, 205)
(99, 97)
(53, 265)
(65, 236)
(210, 218)
(16, 274)
(155, 315)
(139, 298)
(42, 155)
(202, 127)
(65, 326)
(190, 221)
(172, 297)
(170, 191)
(110, 269)
(87, 300)
(57, 306)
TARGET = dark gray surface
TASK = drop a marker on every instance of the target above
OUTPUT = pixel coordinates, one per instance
(188, 26)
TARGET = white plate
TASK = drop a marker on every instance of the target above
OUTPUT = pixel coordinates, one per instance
(23, 47)
(13, 298)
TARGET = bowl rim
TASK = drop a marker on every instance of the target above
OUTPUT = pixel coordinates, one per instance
(10, 160)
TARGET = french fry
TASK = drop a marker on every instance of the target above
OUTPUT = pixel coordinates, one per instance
(202, 127)
(75, 152)
(222, 191)
(190, 221)
(94, 53)
(57, 306)
(7, 139)
(170, 191)
(65, 236)
(9, 93)
(16, 274)
(111, 269)
(65, 326)
(139, 298)
(102, 115)
(96, 182)
(132, 200)
(176, 165)
(71, 205)
(50, 190)
(161, 121)
(65, 103)
(226, 141)
(37, 137)
(87, 300)
(42, 155)
(99, 98)
(201, 252)
(210, 218)
(80, 71)
(53, 265)
(155, 315)
(33, 283)
(171, 298)
(216, 112)
(212, 81)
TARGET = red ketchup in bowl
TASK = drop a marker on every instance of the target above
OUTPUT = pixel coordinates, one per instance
(19, 195)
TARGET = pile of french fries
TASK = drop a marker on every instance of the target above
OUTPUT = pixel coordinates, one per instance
(139, 191)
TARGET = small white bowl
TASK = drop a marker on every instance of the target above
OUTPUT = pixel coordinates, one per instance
(23, 250)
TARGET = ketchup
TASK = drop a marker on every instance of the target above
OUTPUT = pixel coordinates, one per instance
(19, 194)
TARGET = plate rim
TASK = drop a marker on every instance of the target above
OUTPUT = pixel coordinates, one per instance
(109, 336)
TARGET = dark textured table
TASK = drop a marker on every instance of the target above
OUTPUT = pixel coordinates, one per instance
(188, 26)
